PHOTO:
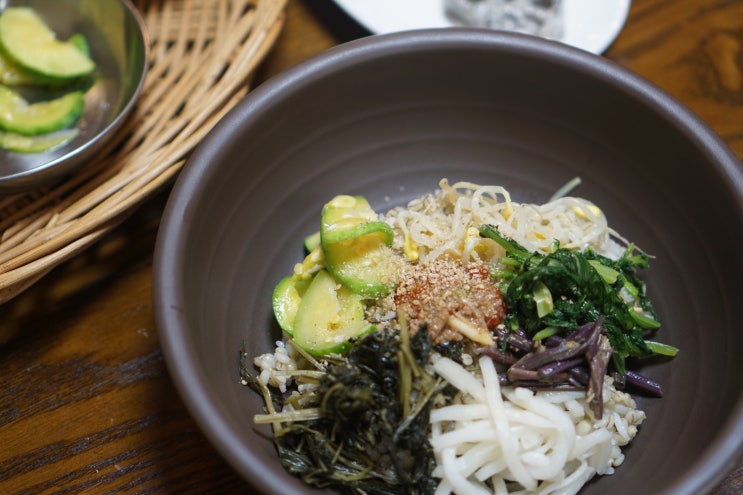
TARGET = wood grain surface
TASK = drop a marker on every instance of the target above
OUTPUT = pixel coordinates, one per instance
(86, 404)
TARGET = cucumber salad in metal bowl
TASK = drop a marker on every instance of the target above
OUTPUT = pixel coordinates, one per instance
(69, 75)
(33, 56)
(465, 343)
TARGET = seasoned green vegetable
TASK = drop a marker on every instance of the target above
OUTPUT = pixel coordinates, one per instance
(356, 246)
(35, 144)
(42, 82)
(30, 119)
(285, 301)
(329, 317)
(558, 292)
(13, 75)
(29, 42)
(348, 217)
(372, 433)
(312, 241)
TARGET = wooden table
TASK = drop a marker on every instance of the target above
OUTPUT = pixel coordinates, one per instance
(86, 403)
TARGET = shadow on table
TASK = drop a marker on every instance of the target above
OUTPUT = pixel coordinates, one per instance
(336, 20)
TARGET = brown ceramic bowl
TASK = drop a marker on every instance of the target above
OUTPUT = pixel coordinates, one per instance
(387, 117)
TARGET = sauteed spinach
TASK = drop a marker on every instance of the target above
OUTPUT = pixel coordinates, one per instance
(564, 289)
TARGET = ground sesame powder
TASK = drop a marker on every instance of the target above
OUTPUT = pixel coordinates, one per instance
(452, 299)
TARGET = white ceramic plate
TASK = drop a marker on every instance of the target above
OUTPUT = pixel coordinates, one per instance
(589, 24)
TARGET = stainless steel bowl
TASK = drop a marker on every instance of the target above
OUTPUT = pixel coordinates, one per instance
(119, 46)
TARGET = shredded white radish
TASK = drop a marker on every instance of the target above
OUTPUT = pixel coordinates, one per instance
(508, 441)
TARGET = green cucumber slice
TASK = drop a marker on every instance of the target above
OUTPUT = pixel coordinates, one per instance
(286, 299)
(356, 246)
(344, 207)
(312, 241)
(345, 217)
(365, 264)
(18, 116)
(329, 318)
(29, 42)
(79, 41)
(35, 144)
(352, 231)
(12, 75)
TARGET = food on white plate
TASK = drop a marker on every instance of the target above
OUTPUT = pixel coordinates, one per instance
(538, 17)
(464, 343)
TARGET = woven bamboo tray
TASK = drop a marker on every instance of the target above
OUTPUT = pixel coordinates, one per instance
(202, 55)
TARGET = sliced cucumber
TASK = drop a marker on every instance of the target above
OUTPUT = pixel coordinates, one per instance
(345, 206)
(345, 217)
(12, 75)
(365, 264)
(356, 247)
(329, 317)
(29, 42)
(35, 144)
(312, 241)
(79, 41)
(286, 299)
(352, 231)
(18, 116)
